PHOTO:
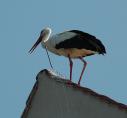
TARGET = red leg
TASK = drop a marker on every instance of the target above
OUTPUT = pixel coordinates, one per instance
(71, 66)
(85, 63)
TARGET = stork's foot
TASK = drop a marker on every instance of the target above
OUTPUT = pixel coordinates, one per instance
(78, 84)
(69, 83)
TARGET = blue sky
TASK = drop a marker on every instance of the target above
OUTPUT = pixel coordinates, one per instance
(20, 25)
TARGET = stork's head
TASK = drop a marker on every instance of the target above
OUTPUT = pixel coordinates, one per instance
(44, 36)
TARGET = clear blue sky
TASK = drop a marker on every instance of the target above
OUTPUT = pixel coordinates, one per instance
(20, 24)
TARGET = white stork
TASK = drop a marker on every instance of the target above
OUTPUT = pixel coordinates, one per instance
(71, 44)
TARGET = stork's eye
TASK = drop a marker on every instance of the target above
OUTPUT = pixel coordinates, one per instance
(42, 32)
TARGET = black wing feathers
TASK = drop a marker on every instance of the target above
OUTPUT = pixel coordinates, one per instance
(82, 41)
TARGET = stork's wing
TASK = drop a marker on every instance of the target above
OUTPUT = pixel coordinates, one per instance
(82, 40)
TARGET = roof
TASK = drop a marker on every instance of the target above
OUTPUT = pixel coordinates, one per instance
(85, 91)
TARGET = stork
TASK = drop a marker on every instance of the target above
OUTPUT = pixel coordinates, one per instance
(71, 44)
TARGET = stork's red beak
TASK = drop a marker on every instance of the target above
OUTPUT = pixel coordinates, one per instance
(36, 44)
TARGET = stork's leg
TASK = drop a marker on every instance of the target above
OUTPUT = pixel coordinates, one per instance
(85, 63)
(71, 66)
